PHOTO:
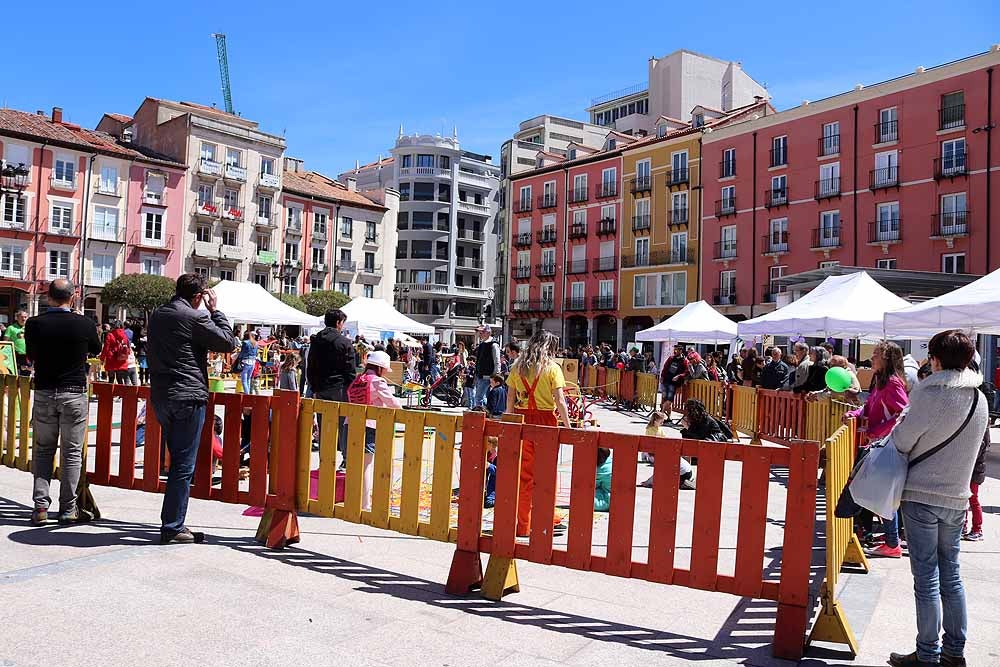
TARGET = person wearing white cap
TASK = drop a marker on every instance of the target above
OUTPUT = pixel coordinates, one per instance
(371, 388)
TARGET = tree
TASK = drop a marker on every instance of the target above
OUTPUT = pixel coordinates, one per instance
(320, 301)
(138, 292)
(291, 300)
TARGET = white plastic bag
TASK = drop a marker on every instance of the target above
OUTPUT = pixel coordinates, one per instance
(878, 484)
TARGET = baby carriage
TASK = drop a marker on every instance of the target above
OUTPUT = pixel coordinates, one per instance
(445, 388)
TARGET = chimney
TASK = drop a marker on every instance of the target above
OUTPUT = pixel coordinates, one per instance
(41, 113)
(352, 184)
(56, 114)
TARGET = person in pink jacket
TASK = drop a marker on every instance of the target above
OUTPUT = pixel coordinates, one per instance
(371, 388)
(886, 399)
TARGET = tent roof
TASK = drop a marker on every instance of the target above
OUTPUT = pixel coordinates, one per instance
(851, 306)
(252, 304)
(696, 322)
(367, 314)
(975, 306)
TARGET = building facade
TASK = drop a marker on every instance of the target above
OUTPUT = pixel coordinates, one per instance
(90, 207)
(890, 176)
(232, 191)
(332, 237)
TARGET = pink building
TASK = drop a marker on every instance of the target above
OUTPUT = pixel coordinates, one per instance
(82, 205)
(889, 176)
(565, 246)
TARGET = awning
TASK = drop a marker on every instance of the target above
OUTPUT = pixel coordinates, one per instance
(250, 303)
(975, 307)
(696, 322)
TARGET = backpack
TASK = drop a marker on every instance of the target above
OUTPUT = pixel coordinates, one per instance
(360, 391)
(120, 351)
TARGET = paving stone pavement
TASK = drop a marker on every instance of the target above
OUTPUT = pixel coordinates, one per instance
(106, 594)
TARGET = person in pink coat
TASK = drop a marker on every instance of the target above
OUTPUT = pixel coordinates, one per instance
(371, 388)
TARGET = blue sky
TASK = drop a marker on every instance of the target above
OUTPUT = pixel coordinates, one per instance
(338, 78)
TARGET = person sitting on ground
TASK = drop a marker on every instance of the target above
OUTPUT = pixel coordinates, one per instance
(655, 428)
(371, 388)
(698, 424)
(602, 485)
(496, 397)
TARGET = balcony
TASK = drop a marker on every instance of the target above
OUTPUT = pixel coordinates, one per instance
(546, 236)
(476, 179)
(655, 258)
(724, 250)
(886, 131)
(21, 228)
(577, 231)
(523, 206)
(603, 302)
(22, 275)
(161, 243)
(231, 253)
(829, 145)
(153, 198)
(607, 227)
(208, 167)
(521, 272)
(372, 239)
(827, 188)
(265, 222)
(604, 264)
(369, 273)
(578, 195)
(605, 190)
(575, 303)
(293, 264)
(547, 201)
(522, 240)
(318, 267)
(106, 188)
(954, 224)
(471, 235)
(206, 210)
(576, 266)
(779, 157)
(69, 185)
(640, 223)
(951, 166)
(883, 178)
(885, 231)
(319, 232)
(725, 207)
(474, 208)
(545, 305)
(677, 177)
(234, 213)
(722, 297)
(643, 184)
(727, 168)
(826, 238)
(677, 217)
(518, 306)
(775, 243)
(269, 181)
(545, 270)
(107, 233)
(95, 278)
(265, 257)
(235, 173)
(346, 267)
(951, 117)
(771, 292)
(775, 197)
(205, 250)
(50, 229)
(469, 263)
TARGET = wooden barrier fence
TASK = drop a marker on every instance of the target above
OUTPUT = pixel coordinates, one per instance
(781, 416)
(712, 394)
(743, 410)
(646, 388)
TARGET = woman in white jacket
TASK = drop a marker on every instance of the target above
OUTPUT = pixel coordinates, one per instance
(946, 404)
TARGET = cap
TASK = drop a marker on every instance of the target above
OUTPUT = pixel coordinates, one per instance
(380, 359)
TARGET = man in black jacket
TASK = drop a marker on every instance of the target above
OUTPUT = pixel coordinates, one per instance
(180, 338)
(775, 372)
(331, 368)
(487, 364)
(59, 342)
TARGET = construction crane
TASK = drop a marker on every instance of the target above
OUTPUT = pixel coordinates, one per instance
(220, 44)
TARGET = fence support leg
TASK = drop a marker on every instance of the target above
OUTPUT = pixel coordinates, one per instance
(501, 578)
(278, 528)
(790, 631)
(831, 624)
(854, 554)
(466, 572)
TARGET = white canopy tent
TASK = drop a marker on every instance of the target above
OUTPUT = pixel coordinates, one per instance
(849, 306)
(252, 304)
(369, 316)
(974, 307)
(696, 322)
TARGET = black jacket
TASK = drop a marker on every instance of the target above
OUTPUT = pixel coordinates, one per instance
(487, 358)
(331, 366)
(180, 338)
(979, 471)
(59, 341)
(707, 430)
(774, 375)
(816, 381)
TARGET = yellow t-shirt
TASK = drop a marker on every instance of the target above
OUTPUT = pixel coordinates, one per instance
(659, 431)
(550, 380)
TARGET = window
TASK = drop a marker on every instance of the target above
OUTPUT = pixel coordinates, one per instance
(953, 214)
(727, 285)
(206, 194)
(420, 250)
(404, 192)
(525, 198)
(260, 279)
(522, 297)
(442, 250)
(443, 223)
(155, 185)
(609, 182)
(829, 229)
(831, 138)
(699, 119)
(887, 222)
(886, 129)
(779, 151)
(12, 261)
(642, 213)
(673, 289)
(289, 285)
(423, 192)
(407, 161)
(774, 273)
(345, 257)
(264, 207)
(106, 223)
(64, 170)
(953, 110)
(422, 220)
(16, 155)
(885, 264)
(263, 242)
(202, 271)
(207, 151)
(152, 266)
(728, 241)
(369, 261)
(779, 190)
(886, 168)
(548, 292)
(109, 180)
(606, 290)
(267, 166)
(549, 193)
(953, 263)
(402, 220)
(231, 200)
(229, 237)
(444, 193)
(679, 208)
(642, 174)
(13, 211)
(827, 265)
(203, 234)
(370, 232)
(347, 227)
(291, 251)
(549, 258)
(608, 212)
(234, 157)
(368, 291)
(319, 223)
(420, 277)
(61, 218)
(440, 277)
(953, 157)
(227, 274)
(778, 235)
(294, 218)
(678, 247)
(728, 163)
(679, 167)
(661, 130)
(58, 264)
(318, 256)
(829, 179)
(425, 161)
(642, 251)
(152, 227)
(580, 219)
(402, 249)
(444, 162)
(316, 284)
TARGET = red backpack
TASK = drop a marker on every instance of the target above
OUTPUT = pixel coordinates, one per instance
(360, 391)
(120, 351)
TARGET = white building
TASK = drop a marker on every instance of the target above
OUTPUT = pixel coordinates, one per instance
(446, 230)
(233, 183)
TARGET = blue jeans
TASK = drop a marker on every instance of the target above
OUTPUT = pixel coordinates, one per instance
(491, 485)
(891, 529)
(246, 375)
(482, 386)
(181, 423)
(933, 535)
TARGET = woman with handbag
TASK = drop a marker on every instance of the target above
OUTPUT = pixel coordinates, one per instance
(947, 411)
(885, 403)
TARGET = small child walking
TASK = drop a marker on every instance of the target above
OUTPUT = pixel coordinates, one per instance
(496, 397)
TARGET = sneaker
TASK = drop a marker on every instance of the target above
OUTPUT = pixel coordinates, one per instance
(39, 517)
(951, 661)
(885, 551)
(648, 484)
(69, 516)
(909, 660)
(184, 536)
(973, 536)
(688, 484)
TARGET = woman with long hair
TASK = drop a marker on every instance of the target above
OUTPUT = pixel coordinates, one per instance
(246, 360)
(535, 390)
(816, 375)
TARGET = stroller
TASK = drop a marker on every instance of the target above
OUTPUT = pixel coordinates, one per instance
(445, 388)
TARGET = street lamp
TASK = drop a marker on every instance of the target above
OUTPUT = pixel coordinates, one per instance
(486, 312)
(13, 178)
(401, 293)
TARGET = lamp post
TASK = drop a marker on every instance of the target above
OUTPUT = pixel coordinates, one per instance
(401, 293)
(13, 178)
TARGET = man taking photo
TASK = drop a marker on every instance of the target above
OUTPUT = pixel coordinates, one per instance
(180, 338)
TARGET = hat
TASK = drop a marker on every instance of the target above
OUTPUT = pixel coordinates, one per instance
(380, 359)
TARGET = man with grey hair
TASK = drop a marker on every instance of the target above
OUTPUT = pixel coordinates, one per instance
(59, 342)
(802, 364)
